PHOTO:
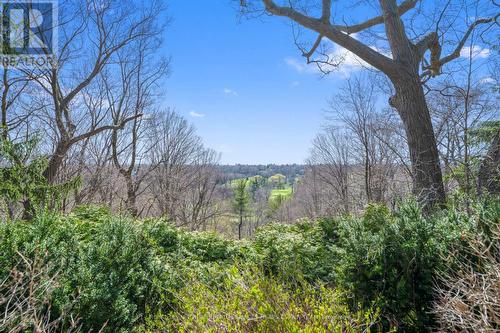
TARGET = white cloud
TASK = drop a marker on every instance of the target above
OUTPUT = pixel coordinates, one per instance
(228, 91)
(195, 114)
(295, 84)
(345, 62)
(301, 66)
(348, 62)
(477, 52)
(487, 80)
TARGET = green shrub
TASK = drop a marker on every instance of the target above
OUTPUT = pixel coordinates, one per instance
(120, 273)
(105, 268)
(393, 259)
(163, 236)
(248, 301)
(113, 276)
(294, 250)
(208, 247)
(48, 236)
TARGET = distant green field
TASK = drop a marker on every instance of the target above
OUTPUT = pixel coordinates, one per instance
(276, 197)
(232, 183)
(284, 193)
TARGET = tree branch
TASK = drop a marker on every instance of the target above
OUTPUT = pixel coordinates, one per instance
(363, 51)
(351, 29)
(395, 30)
(315, 46)
(431, 42)
(326, 11)
(104, 128)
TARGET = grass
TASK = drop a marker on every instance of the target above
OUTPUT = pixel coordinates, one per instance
(286, 192)
(281, 194)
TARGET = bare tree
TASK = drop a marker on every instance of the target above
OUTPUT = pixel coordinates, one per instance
(131, 96)
(13, 86)
(489, 171)
(259, 206)
(377, 144)
(184, 182)
(308, 194)
(459, 107)
(332, 163)
(198, 204)
(93, 158)
(355, 107)
(407, 66)
(93, 32)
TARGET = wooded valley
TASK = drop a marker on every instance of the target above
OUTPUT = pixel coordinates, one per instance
(122, 212)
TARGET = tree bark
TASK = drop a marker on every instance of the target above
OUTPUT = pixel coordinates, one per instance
(489, 172)
(5, 93)
(56, 160)
(411, 105)
(240, 225)
(367, 174)
(131, 196)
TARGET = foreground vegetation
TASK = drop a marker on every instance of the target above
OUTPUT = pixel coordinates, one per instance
(382, 271)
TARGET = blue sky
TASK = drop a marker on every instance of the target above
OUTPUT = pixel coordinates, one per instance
(243, 84)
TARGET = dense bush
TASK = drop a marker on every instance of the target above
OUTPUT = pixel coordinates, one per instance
(393, 259)
(117, 273)
(383, 258)
(247, 301)
(110, 268)
(295, 250)
(103, 267)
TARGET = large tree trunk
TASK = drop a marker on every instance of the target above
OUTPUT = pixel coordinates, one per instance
(131, 196)
(367, 176)
(56, 161)
(411, 105)
(402, 67)
(5, 95)
(50, 174)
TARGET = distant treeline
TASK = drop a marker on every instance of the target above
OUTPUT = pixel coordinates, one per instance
(290, 171)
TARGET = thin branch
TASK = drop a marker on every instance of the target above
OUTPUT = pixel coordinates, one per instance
(315, 46)
(363, 51)
(431, 42)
